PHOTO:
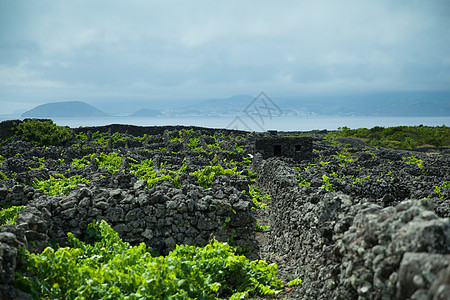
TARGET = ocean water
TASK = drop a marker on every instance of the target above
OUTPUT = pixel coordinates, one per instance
(261, 123)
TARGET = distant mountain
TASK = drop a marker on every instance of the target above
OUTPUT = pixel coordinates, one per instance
(64, 109)
(394, 104)
(144, 112)
(230, 106)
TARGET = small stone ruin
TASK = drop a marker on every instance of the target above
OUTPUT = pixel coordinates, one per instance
(296, 148)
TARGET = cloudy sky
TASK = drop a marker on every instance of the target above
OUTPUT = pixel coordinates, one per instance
(154, 51)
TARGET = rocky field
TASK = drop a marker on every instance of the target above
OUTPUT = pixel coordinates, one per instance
(354, 222)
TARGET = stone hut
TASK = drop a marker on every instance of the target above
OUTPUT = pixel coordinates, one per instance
(297, 148)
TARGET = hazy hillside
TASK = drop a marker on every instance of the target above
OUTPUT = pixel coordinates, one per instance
(215, 107)
(144, 112)
(407, 104)
(64, 109)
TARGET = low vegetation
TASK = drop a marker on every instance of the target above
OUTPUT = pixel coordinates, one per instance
(407, 137)
(58, 184)
(208, 174)
(112, 269)
(43, 133)
(9, 215)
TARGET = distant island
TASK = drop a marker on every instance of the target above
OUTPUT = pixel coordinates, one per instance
(386, 104)
(64, 109)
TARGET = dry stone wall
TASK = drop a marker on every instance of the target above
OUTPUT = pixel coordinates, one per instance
(162, 216)
(381, 232)
(346, 247)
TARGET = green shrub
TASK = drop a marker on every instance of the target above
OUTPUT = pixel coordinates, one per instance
(9, 215)
(239, 149)
(439, 189)
(412, 160)
(326, 183)
(81, 163)
(58, 184)
(144, 170)
(193, 142)
(81, 136)
(2, 177)
(303, 182)
(262, 228)
(247, 160)
(111, 162)
(361, 179)
(344, 157)
(112, 269)
(43, 133)
(207, 175)
(259, 199)
(41, 162)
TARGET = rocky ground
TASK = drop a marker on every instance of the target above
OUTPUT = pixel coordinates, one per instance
(376, 227)
(355, 222)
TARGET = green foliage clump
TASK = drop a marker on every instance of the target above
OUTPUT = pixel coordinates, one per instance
(303, 182)
(111, 162)
(207, 175)
(217, 141)
(239, 149)
(326, 183)
(43, 133)
(160, 149)
(9, 215)
(262, 228)
(361, 179)
(58, 184)
(247, 160)
(41, 162)
(294, 282)
(344, 157)
(412, 160)
(2, 177)
(81, 163)
(193, 142)
(144, 170)
(440, 189)
(112, 269)
(100, 138)
(259, 199)
(407, 137)
(81, 136)
(117, 136)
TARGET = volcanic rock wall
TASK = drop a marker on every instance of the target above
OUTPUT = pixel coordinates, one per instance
(162, 217)
(345, 247)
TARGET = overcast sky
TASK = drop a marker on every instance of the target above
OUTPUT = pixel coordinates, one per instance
(100, 51)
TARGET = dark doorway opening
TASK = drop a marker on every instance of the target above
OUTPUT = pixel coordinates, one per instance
(298, 148)
(277, 150)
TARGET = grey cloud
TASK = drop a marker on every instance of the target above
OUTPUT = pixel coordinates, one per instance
(178, 48)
